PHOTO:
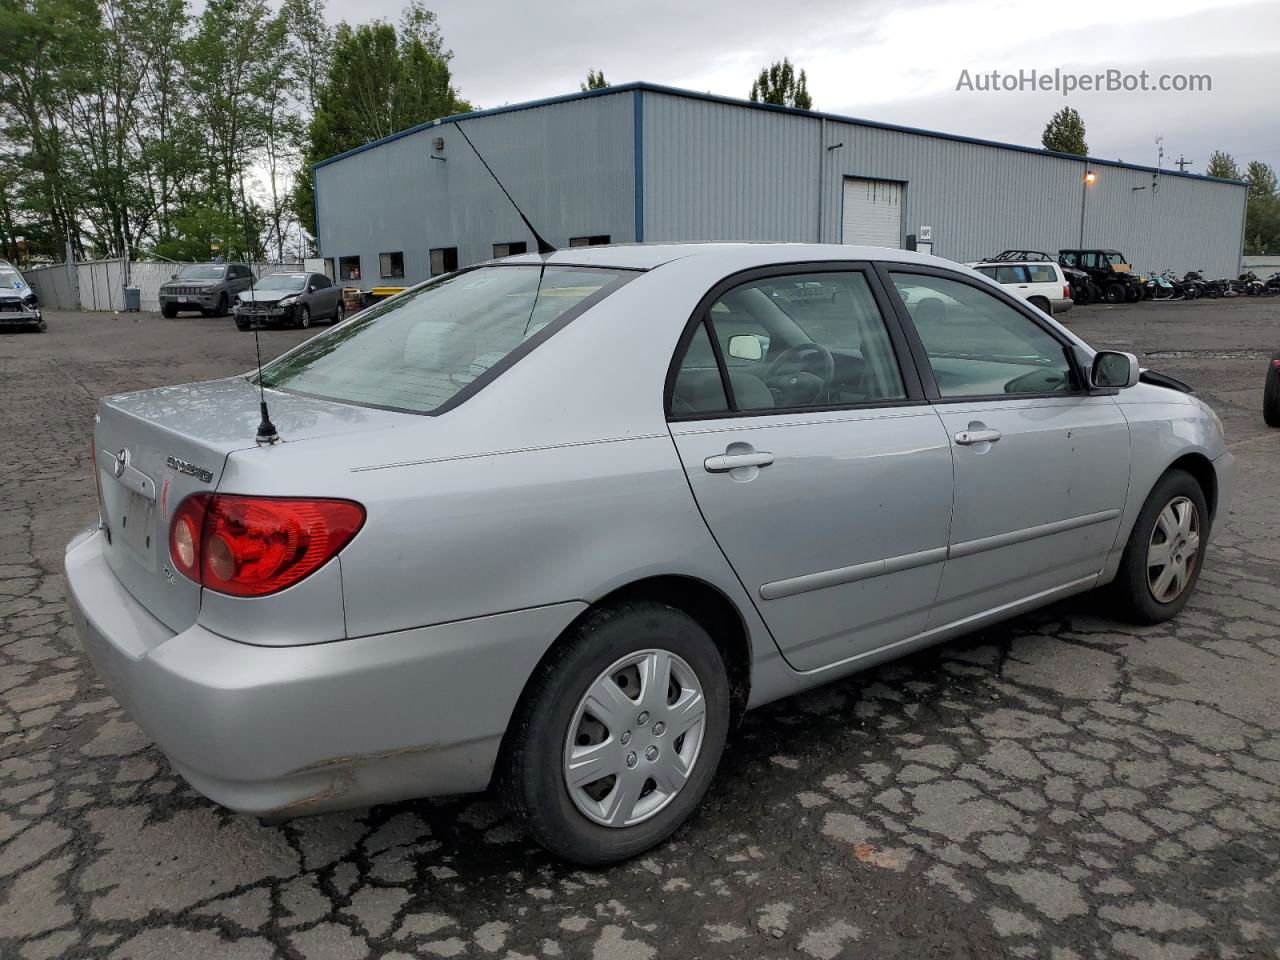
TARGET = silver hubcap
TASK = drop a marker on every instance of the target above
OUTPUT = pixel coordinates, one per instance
(634, 738)
(1172, 552)
(304, 318)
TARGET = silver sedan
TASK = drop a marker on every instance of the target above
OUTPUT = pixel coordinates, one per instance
(553, 524)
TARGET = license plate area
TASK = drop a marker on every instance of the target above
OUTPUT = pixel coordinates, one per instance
(134, 527)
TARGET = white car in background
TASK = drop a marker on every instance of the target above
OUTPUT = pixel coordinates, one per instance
(1040, 282)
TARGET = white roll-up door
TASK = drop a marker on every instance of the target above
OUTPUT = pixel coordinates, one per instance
(872, 213)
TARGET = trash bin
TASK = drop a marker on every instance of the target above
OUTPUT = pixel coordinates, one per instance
(132, 299)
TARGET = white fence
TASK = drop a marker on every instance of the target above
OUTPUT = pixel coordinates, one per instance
(99, 284)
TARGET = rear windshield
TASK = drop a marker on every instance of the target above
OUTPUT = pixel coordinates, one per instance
(418, 351)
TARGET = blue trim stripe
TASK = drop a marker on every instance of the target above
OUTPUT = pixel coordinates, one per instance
(645, 86)
(638, 138)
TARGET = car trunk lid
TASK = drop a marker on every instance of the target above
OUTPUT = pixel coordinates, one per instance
(154, 448)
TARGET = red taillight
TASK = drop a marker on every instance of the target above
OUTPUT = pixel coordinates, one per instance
(252, 546)
(1066, 292)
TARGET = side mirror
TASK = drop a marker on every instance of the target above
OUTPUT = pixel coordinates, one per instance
(1113, 370)
(745, 346)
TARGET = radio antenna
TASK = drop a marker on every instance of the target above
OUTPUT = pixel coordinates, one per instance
(543, 246)
(266, 429)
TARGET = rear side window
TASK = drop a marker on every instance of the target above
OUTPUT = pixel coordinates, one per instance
(791, 342)
(1042, 273)
(420, 350)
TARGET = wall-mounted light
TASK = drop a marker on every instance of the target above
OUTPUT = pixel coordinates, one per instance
(1090, 177)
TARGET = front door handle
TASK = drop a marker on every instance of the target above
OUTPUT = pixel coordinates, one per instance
(966, 437)
(724, 462)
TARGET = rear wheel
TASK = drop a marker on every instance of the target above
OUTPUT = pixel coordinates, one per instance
(618, 735)
(1271, 393)
(1041, 304)
(1113, 293)
(339, 313)
(1161, 562)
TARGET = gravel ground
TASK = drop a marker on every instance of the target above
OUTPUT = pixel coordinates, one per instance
(1060, 786)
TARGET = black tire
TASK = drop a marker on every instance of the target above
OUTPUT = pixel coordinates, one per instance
(222, 307)
(242, 327)
(1131, 590)
(1113, 293)
(339, 314)
(304, 316)
(1132, 293)
(1041, 304)
(1271, 393)
(168, 311)
(530, 774)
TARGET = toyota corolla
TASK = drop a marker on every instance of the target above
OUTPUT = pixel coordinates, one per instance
(553, 524)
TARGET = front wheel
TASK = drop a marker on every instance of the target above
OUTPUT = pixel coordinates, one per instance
(223, 306)
(168, 311)
(1161, 562)
(1113, 293)
(1271, 393)
(618, 735)
(304, 317)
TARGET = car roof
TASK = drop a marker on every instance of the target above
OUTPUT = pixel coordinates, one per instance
(1012, 263)
(721, 256)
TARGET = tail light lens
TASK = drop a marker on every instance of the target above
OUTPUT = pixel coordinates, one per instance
(1066, 292)
(253, 546)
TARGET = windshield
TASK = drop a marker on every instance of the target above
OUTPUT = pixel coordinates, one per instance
(1114, 258)
(417, 351)
(201, 271)
(10, 279)
(282, 281)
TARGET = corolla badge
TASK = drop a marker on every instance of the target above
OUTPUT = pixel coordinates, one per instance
(122, 461)
(191, 469)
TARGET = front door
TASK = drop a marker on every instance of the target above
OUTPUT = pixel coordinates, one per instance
(1041, 467)
(820, 469)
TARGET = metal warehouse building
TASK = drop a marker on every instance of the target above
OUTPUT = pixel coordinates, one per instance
(641, 162)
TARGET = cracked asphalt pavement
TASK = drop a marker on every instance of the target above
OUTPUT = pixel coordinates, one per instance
(1060, 786)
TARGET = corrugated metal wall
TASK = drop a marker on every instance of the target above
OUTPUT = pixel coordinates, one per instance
(721, 171)
(570, 166)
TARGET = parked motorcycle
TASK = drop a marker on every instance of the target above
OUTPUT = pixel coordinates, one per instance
(1273, 284)
(1160, 286)
(1251, 286)
(1193, 287)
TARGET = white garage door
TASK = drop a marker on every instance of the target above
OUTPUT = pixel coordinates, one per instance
(872, 213)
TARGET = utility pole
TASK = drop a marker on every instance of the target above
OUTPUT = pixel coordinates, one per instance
(1183, 164)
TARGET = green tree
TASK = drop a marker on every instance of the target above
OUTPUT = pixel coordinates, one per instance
(380, 81)
(1064, 133)
(595, 81)
(779, 84)
(1262, 213)
(1223, 166)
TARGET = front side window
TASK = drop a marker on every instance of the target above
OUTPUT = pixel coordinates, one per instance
(793, 342)
(978, 345)
(415, 352)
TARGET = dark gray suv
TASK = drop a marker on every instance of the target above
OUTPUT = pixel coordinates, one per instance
(210, 288)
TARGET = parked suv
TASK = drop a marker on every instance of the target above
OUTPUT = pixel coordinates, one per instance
(1033, 277)
(1109, 270)
(210, 288)
(19, 305)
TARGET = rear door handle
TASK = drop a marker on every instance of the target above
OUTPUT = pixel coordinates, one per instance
(967, 437)
(724, 462)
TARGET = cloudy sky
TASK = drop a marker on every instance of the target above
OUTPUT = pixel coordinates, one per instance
(899, 63)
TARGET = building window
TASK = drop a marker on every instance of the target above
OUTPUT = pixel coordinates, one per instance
(349, 268)
(595, 241)
(509, 249)
(444, 260)
(391, 265)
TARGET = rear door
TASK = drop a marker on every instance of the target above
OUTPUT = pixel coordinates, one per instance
(1045, 281)
(819, 467)
(1041, 467)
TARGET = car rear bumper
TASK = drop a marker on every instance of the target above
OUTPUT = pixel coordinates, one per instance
(287, 731)
(1061, 305)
